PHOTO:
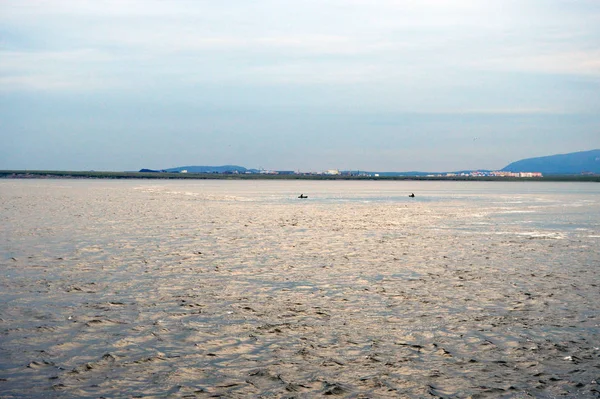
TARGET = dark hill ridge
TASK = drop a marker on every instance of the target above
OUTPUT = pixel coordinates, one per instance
(574, 163)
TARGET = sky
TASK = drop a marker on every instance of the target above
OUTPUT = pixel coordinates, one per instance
(379, 85)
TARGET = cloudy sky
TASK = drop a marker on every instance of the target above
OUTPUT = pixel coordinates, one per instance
(387, 85)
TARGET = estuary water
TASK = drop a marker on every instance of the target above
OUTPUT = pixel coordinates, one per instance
(240, 289)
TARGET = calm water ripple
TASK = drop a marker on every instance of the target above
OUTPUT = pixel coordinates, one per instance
(240, 289)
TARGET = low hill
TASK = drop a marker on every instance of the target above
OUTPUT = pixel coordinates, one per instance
(574, 163)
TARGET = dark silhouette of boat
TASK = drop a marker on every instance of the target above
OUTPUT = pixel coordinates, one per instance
(412, 195)
(303, 196)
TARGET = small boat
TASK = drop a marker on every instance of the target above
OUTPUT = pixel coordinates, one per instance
(412, 195)
(303, 196)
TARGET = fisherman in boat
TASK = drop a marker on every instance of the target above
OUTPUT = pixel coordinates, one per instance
(303, 196)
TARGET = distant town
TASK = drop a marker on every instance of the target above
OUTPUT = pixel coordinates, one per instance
(492, 174)
(336, 172)
(577, 166)
(582, 163)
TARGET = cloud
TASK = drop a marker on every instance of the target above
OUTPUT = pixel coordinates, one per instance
(509, 111)
(54, 70)
(574, 62)
(399, 43)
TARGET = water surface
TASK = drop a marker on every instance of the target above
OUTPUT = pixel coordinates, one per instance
(240, 289)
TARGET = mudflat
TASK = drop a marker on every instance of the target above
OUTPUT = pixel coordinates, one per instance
(240, 289)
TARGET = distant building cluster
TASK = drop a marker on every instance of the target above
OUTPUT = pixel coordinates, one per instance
(516, 174)
(357, 173)
(478, 173)
(337, 172)
(328, 172)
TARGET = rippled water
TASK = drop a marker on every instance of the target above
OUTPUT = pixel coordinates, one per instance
(240, 289)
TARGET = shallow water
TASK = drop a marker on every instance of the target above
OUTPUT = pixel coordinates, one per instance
(240, 289)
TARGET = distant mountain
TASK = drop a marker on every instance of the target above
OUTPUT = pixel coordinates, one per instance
(209, 169)
(561, 164)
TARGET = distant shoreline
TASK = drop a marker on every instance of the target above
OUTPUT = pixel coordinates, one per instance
(44, 174)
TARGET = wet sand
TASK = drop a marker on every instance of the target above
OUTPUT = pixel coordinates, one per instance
(115, 290)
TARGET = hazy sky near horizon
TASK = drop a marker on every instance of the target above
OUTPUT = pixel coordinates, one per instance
(386, 85)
